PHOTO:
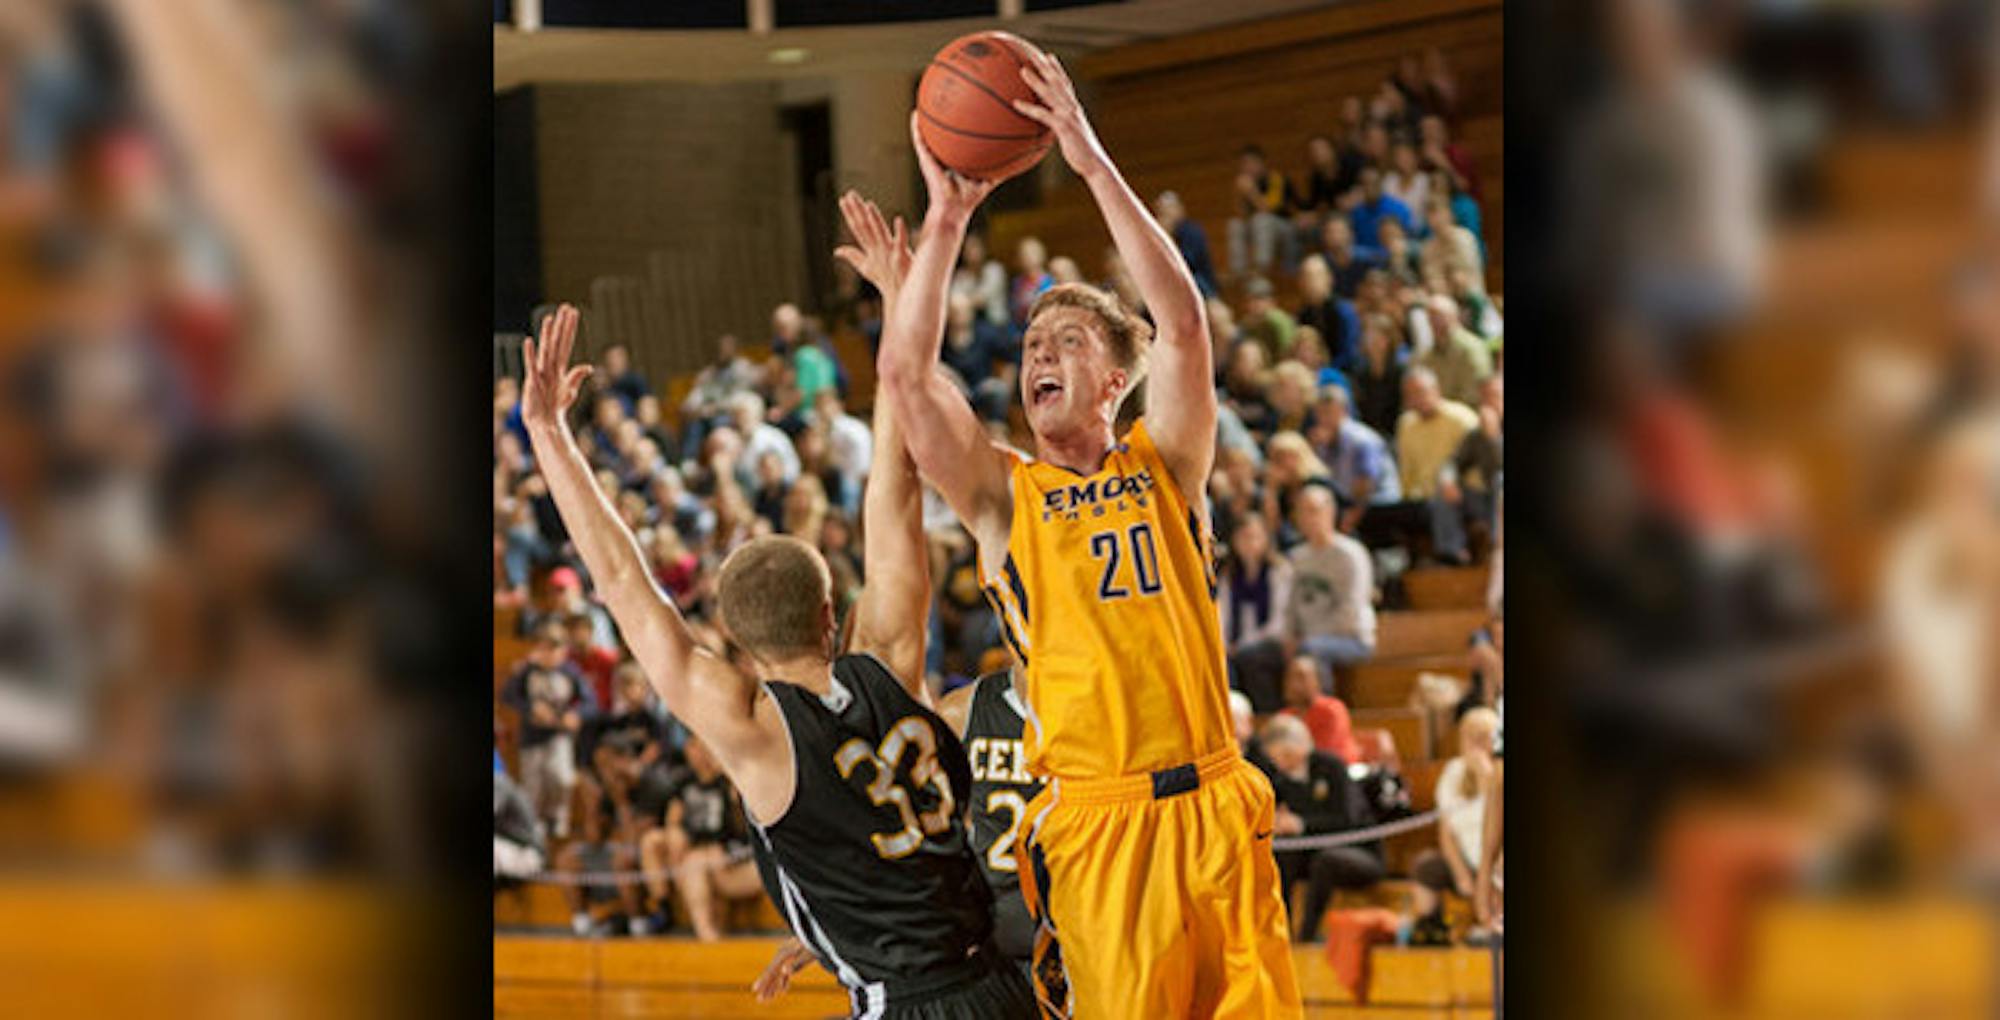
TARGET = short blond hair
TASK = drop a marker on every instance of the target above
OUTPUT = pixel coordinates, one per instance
(1128, 335)
(772, 594)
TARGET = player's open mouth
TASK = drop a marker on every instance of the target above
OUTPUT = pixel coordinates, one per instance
(1046, 391)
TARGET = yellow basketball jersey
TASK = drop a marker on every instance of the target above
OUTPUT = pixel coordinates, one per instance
(1107, 597)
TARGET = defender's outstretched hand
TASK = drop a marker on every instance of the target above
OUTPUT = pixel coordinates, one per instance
(792, 956)
(950, 192)
(548, 390)
(1060, 112)
(880, 254)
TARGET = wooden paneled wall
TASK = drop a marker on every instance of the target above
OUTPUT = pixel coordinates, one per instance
(669, 213)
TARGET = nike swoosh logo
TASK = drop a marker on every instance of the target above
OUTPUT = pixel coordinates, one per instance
(1266, 834)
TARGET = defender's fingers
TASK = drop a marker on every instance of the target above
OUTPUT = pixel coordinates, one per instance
(851, 255)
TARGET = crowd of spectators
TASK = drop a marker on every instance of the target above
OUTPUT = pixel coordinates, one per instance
(1360, 435)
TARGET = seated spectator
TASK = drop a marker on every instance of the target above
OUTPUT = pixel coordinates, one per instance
(1316, 797)
(843, 558)
(1332, 611)
(676, 569)
(760, 438)
(1223, 334)
(1477, 308)
(1349, 262)
(1395, 110)
(1291, 468)
(768, 499)
(708, 402)
(1265, 322)
(1260, 234)
(1291, 394)
(1244, 385)
(799, 345)
(620, 380)
(1407, 182)
(594, 661)
(1399, 256)
(673, 506)
(619, 746)
(1441, 154)
(1333, 316)
(1309, 350)
(1063, 269)
(1468, 487)
(1428, 433)
(965, 624)
(1319, 200)
(566, 598)
(1325, 716)
(1358, 462)
(1031, 278)
(1450, 246)
(648, 414)
(520, 850)
(1378, 382)
(816, 462)
(1462, 789)
(805, 508)
(601, 858)
(1255, 587)
(1235, 489)
(1464, 210)
(705, 844)
(1376, 207)
(523, 549)
(982, 280)
(850, 446)
(1189, 239)
(976, 353)
(1457, 356)
(1486, 665)
(552, 699)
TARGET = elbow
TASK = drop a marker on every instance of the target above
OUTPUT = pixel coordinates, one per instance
(1189, 324)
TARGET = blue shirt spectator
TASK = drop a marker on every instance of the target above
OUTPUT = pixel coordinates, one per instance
(1190, 239)
(1357, 458)
(1377, 205)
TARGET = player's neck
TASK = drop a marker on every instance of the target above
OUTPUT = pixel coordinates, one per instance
(812, 672)
(1082, 451)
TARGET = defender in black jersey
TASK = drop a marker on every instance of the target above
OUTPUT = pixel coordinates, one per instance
(854, 786)
(872, 865)
(989, 716)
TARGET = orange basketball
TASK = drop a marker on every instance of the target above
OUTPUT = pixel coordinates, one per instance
(965, 108)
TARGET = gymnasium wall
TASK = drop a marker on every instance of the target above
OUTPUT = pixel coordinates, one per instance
(667, 212)
(1173, 113)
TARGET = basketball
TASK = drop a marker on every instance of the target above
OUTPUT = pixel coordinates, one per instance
(966, 113)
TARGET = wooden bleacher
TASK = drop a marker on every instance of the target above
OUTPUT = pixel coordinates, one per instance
(1174, 112)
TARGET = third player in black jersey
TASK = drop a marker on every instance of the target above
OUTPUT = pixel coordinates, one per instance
(989, 716)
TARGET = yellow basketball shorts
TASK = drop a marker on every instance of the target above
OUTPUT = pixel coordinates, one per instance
(1157, 895)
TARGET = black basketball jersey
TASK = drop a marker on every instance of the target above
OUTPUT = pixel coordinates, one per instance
(1001, 790)
(870, 864)
(710, 811)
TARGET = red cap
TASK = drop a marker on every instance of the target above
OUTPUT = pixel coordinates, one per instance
(565, 577)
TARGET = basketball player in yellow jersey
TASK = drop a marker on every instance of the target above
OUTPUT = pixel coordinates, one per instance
(1147, 857)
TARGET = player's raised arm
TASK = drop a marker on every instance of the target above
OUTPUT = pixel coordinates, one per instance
(949, 446)
(891, 621)
(709, 693)
(1180, 392)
